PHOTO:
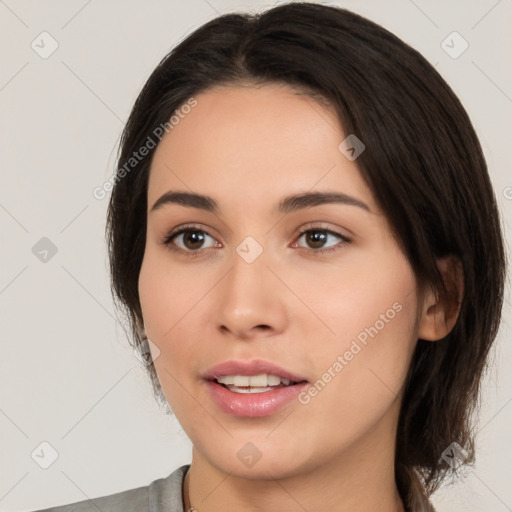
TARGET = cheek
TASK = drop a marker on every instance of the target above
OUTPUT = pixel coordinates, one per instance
(162, 307)
(358, 292)
(368, 312)
(377, 312)
(171, 297)
(167, 293)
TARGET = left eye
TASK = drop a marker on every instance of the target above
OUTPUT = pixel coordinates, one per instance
(316, 238)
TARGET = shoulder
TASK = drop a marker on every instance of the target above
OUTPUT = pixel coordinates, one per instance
(130, 500)
(159, 496)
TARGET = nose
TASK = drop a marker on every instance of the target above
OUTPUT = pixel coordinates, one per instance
(250, 300)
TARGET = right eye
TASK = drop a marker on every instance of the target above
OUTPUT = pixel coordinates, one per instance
(188, 239)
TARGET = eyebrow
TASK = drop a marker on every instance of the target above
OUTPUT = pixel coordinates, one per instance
(286, 205)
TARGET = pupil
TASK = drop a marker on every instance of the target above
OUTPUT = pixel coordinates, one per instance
(317, 238)
(192, 237)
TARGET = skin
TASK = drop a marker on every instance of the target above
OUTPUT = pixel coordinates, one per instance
(247, 148)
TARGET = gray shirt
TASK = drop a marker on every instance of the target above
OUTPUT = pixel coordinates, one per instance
(166, 495)
(162, 495)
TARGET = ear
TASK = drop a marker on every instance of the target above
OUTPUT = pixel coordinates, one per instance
(438, 317)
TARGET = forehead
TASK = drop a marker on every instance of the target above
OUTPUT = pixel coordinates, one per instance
(255, 144)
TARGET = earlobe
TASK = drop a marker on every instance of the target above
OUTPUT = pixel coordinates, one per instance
(438, 317)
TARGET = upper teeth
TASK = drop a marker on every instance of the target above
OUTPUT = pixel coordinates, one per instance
(260, 381)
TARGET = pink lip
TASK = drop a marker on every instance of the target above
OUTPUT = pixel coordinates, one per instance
(256, 367)
(252, 404)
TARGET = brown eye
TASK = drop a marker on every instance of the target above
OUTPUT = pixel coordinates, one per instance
(317, 238)
(193, 239)
(188, 240)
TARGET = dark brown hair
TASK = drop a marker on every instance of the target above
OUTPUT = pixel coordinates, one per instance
(422, 162)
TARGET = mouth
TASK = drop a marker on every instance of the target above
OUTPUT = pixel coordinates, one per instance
(252, 389)
(261, 383)
(256, 376)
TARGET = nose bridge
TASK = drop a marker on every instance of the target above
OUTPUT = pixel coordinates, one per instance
(250, 295)
(248, 277)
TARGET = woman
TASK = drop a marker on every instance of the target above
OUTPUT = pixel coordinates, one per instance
(305, 238)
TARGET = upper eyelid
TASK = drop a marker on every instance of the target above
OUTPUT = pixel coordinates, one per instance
(319, 225)
(188, 227)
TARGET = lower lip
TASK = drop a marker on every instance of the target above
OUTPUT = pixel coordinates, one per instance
(253, 405)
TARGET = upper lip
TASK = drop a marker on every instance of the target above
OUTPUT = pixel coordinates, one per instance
(254, 367)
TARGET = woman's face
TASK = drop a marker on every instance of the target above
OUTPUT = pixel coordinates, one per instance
(336, 306)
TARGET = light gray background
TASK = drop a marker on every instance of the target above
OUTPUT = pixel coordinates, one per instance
(68, 375)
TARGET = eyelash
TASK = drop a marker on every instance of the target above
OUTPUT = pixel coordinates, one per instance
(167, 241)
